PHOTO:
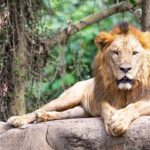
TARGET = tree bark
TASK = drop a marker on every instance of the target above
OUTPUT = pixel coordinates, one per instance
(18, 47)
(145, 15)
(75, 134)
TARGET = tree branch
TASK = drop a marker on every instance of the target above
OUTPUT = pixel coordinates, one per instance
(63, 35)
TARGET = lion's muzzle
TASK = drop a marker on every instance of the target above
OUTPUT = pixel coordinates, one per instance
(125, 83)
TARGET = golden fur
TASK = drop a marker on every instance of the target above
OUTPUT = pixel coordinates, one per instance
(119, 91)
(103, 75)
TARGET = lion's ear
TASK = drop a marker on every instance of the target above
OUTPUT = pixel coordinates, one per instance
(103, 39)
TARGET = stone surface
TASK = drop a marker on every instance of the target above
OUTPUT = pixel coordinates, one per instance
(74, 134)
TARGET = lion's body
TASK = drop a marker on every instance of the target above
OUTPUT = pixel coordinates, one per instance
(119, 91)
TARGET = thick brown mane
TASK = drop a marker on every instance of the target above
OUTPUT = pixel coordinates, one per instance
(126, 28)
(123, 28)
(104, 82)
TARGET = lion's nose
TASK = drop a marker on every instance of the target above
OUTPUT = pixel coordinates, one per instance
(125, 69)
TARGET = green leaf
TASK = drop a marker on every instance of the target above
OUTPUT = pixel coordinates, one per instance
(133, 2)
(68, 79)
(56, 85)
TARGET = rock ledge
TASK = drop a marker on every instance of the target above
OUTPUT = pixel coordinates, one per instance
(74, 134)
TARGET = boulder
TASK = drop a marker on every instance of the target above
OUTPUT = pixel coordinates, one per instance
(74, 134)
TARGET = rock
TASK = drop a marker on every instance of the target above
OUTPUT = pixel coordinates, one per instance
(4, 127)
(74, 134)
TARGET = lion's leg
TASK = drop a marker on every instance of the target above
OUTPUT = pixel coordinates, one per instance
(121, 119)
(76, 112)
(140, 108)
(106, 113)
(69, 99)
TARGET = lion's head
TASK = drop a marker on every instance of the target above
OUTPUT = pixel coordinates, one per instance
(122, 60)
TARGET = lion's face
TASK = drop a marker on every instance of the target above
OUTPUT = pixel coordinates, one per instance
(125, 57)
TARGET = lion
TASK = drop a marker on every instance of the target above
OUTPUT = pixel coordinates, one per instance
(119, 91)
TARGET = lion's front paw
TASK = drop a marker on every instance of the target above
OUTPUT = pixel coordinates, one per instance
(17, 121)
(42, 115)
(120, 122)
(107, 121)
(107, 127)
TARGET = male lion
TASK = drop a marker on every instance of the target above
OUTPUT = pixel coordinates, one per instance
(119, 91)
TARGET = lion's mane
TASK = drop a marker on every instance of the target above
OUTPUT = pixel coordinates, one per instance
(105, 86)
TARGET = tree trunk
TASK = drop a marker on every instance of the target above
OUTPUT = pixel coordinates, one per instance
(17, 50)
(146, 15)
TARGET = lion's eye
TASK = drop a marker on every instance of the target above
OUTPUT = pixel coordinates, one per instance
(135, 52)
(115, 52)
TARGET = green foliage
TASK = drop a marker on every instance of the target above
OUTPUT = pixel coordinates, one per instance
(69, 62)
(133, 2)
